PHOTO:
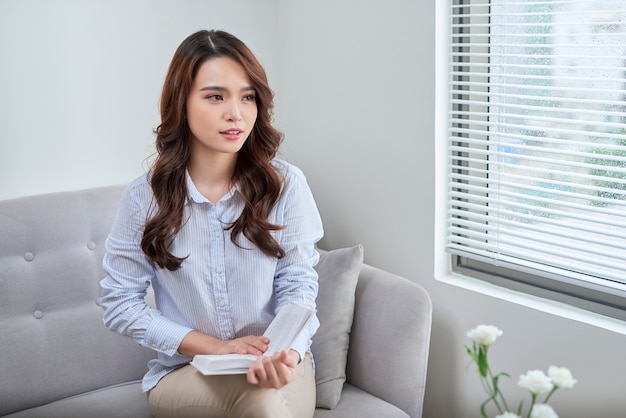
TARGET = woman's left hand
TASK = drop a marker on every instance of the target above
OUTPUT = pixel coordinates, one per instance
(275, 371)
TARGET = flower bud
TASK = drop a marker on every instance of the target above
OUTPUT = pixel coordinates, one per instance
(484, 334)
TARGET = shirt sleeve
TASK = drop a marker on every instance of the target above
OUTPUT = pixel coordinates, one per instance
(296, 278)
(129, 274)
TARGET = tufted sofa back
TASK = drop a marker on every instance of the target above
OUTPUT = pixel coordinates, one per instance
(50, 266)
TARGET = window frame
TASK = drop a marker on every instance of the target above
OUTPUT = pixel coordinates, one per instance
(574, 294)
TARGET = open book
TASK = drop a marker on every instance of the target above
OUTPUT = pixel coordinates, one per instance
(282, 332)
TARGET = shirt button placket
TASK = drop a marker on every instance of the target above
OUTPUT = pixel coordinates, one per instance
(221, 289)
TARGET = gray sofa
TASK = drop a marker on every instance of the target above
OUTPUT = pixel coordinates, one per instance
(58, 360)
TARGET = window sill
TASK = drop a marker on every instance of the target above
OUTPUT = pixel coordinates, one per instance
(548, 306)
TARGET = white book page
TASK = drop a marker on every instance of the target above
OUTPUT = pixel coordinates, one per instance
(286, 327)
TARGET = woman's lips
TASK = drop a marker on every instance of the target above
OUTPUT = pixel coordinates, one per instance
(232, 134)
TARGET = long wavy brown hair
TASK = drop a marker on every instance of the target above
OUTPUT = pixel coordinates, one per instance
(259, 182)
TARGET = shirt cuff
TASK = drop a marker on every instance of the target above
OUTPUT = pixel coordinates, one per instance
(165, 336)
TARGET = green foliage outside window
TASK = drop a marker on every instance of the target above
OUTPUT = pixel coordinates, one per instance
(616, 189)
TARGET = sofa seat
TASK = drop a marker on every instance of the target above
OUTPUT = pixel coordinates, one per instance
(127, 400)
(356, 403)
(123, 400)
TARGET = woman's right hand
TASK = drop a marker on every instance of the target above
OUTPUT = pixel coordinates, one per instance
(251, 344)
(196, 342)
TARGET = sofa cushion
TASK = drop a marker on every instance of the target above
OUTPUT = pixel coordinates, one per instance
(51, 250)
(119, 401)
(356, 403)
(338, 272)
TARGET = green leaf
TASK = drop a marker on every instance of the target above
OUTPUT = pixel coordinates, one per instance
(499, 375)
(495, 380)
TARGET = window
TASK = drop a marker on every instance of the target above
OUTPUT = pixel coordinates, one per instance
(537, 147)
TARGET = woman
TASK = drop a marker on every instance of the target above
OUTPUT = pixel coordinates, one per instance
(225, 234)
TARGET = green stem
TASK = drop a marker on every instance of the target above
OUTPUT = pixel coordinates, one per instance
(492, 392)
(499, 392)
(531, 404)
(550, 394)
(489, 384)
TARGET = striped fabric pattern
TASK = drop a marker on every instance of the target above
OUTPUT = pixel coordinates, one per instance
(221, 290)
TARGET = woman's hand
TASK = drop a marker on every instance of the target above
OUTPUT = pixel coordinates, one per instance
(198, 343)
(275, 371)
(251, 344)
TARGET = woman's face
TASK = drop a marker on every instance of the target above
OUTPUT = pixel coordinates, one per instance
(221, 108)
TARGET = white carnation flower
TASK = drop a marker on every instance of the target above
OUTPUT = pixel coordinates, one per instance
(561, 377)
(542, 410)
(536, 382)
(508, 415)
(484, 334)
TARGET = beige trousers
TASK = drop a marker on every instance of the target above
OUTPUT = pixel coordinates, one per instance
(185, 392)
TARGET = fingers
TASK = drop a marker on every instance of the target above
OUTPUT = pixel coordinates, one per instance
(272, 372)
(252, 376)
(255, 345)
(251, 344)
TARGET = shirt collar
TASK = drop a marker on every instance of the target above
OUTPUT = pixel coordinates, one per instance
(197, 197)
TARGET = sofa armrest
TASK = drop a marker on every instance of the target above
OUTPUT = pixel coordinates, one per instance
(390, 339)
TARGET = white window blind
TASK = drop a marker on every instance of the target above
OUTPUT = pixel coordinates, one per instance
(537, 138)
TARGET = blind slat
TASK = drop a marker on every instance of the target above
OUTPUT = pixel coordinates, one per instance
(573, 163)
(554, 191)
(523, 208)
(482, 222)
(581, 212)
(578, 250)
(550, 129)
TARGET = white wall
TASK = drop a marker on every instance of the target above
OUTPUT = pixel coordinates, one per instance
(79, 89)
(80, 82)
(358, 84)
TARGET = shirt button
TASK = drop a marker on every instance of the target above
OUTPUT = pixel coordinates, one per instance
(218, 270)
(222, 303)
(163, 347)
(229, 335)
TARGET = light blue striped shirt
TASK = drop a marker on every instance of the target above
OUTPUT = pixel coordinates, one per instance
(221, 290)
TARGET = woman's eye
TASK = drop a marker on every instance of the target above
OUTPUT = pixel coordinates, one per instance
(249, 98)
(215, 97)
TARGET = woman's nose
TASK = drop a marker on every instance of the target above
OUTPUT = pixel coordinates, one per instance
(233, 113)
